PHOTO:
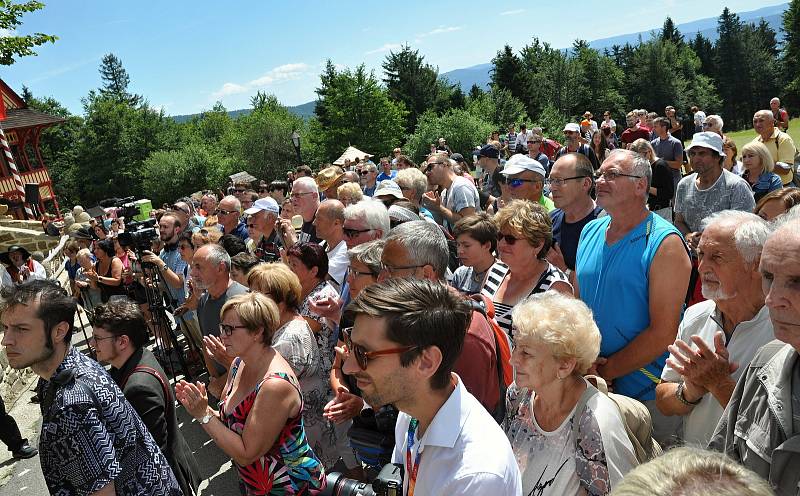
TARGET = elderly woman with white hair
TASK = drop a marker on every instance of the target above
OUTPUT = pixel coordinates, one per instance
(414, 185)
(567, 437)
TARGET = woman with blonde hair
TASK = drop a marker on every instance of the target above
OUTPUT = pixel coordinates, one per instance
(349, 193)
(758, 167)
(567, 437)
(777, 203)
(296, 342)
(525, 235)
(662, 186)
(259, 422)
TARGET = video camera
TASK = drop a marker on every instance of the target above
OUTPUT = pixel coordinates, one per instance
(389, 482)
(139, 235)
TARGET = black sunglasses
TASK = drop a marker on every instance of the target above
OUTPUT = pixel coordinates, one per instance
(352, 233)
(509, 239)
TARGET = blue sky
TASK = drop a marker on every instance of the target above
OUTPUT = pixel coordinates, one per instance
(183, 56)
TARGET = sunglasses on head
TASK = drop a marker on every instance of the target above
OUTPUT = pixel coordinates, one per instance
(363, 357)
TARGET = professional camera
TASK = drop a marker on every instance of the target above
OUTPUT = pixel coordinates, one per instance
(139, 235)
(389, 482)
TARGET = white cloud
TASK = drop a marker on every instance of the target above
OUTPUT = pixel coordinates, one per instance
(442, 30)
(385, 48)
(512, 12)
(286, 72)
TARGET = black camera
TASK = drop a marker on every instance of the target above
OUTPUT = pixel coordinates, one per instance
(389, 482)
(139, 235)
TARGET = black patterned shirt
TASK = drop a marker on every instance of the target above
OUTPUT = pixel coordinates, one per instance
(92, 436)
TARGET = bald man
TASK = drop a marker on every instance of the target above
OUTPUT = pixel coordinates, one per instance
(779, 144)
(329, 224)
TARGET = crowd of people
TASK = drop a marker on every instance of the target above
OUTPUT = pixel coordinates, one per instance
(548, 319)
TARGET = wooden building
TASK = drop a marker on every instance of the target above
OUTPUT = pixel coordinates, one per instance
(23, 128)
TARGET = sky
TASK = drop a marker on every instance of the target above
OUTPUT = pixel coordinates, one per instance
(184, 56)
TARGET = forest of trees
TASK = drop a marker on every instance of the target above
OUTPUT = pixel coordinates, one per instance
(122, 146)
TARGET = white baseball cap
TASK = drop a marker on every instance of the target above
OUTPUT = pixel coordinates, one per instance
(263, 204)
(707, 139)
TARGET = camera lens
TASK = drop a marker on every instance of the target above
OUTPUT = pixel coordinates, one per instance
(339, 485)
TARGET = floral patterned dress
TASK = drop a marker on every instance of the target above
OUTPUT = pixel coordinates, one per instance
(290, 466)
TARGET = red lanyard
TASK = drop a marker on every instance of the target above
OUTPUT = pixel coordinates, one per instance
(412, 469)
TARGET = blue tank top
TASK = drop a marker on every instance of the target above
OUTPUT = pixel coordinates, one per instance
(613, 282)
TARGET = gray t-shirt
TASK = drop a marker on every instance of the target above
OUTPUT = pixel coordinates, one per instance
(208, 309)
(669, 149)
(461, 194)
(730, 192)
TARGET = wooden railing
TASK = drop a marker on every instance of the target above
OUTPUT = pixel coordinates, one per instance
(54, 262)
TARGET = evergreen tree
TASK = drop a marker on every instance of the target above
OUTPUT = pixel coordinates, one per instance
(704, 50)
(410, 80)
(790, 55)
(506, 72)
(669, 32)
(115, 81)
(475, 92)
(732, 74)
(26, 94)
(457, 98)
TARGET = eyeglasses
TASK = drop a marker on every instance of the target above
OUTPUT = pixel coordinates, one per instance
(365, 172)
(363, 357)
(356, 273)
(534, 142)
(239, 190)
(516, 182)
(226, 212)
(293, 195)
(352, 233)
(508, 238)
(558, 181)
(227, 330)
(613, 176)
(391, 270)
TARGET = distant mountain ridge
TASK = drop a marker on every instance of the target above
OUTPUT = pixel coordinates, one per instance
(480, 74)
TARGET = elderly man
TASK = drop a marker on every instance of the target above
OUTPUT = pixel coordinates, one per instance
(418, 250)
(264, 241)
(459, 197)
(711, 188)
(228, 217)
(571, 182)
(211, 269)
(714, 123)
(369, 178)
(759, 426)
(365, 221)
(632, 271)
(305, 201)
(525, 179)
(329, 223)
(780, 145)
(572, 135)
(780, 114)
(718, 337)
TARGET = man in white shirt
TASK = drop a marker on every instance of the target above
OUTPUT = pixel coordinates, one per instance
(717, 338)
(401, 349)
(329, 223)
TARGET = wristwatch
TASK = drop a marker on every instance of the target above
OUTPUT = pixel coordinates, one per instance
(682, 398)
(206, 419)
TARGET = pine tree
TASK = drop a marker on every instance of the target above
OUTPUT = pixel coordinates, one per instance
(732, 74)
(26, 95)
(704, 49)
(475, 92)
(507, 72)
(669, 32)
(115, 81)
(410, 80)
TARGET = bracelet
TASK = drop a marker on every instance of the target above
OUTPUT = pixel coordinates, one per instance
(682, 398)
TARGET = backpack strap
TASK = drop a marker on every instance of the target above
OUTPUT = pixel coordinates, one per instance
(477, 303)
(170, 406)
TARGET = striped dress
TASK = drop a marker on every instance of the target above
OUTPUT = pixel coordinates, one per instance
(495, 276)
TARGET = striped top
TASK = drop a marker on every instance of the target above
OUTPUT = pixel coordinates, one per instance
(494, 278)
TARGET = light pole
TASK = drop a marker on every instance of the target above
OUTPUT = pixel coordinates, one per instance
(296, 143)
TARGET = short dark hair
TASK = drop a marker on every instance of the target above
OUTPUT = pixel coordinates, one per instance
(253, 194)
(479, 227)
(232, 244)
(281, 185)
(122, 317)
(304, 169)
(663, 122)
(55, 305)
(107, 245)
(244, 261)
(422, 313)
(311, 255)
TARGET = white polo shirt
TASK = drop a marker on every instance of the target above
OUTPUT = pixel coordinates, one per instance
(747, 338)
(463, 451)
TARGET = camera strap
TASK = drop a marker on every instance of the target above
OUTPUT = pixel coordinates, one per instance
(412, 469)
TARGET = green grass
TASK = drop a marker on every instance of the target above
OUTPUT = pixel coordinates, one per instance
(742, 137)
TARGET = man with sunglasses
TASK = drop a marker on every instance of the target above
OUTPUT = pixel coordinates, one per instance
(228, 217)
(407, 335)
(369, 178)
(525, 179)
(535, 150)
(459, 197)
(489, 163)
(632, 272)
(572, 134)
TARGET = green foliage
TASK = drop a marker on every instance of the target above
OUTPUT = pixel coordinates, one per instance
(410, 80)
(507, 72)
(115, 81)
(167, 175)
(551, 120)
(461, 128)
(19, 46)
(790, 55)
(354, 110)
(498, 107)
